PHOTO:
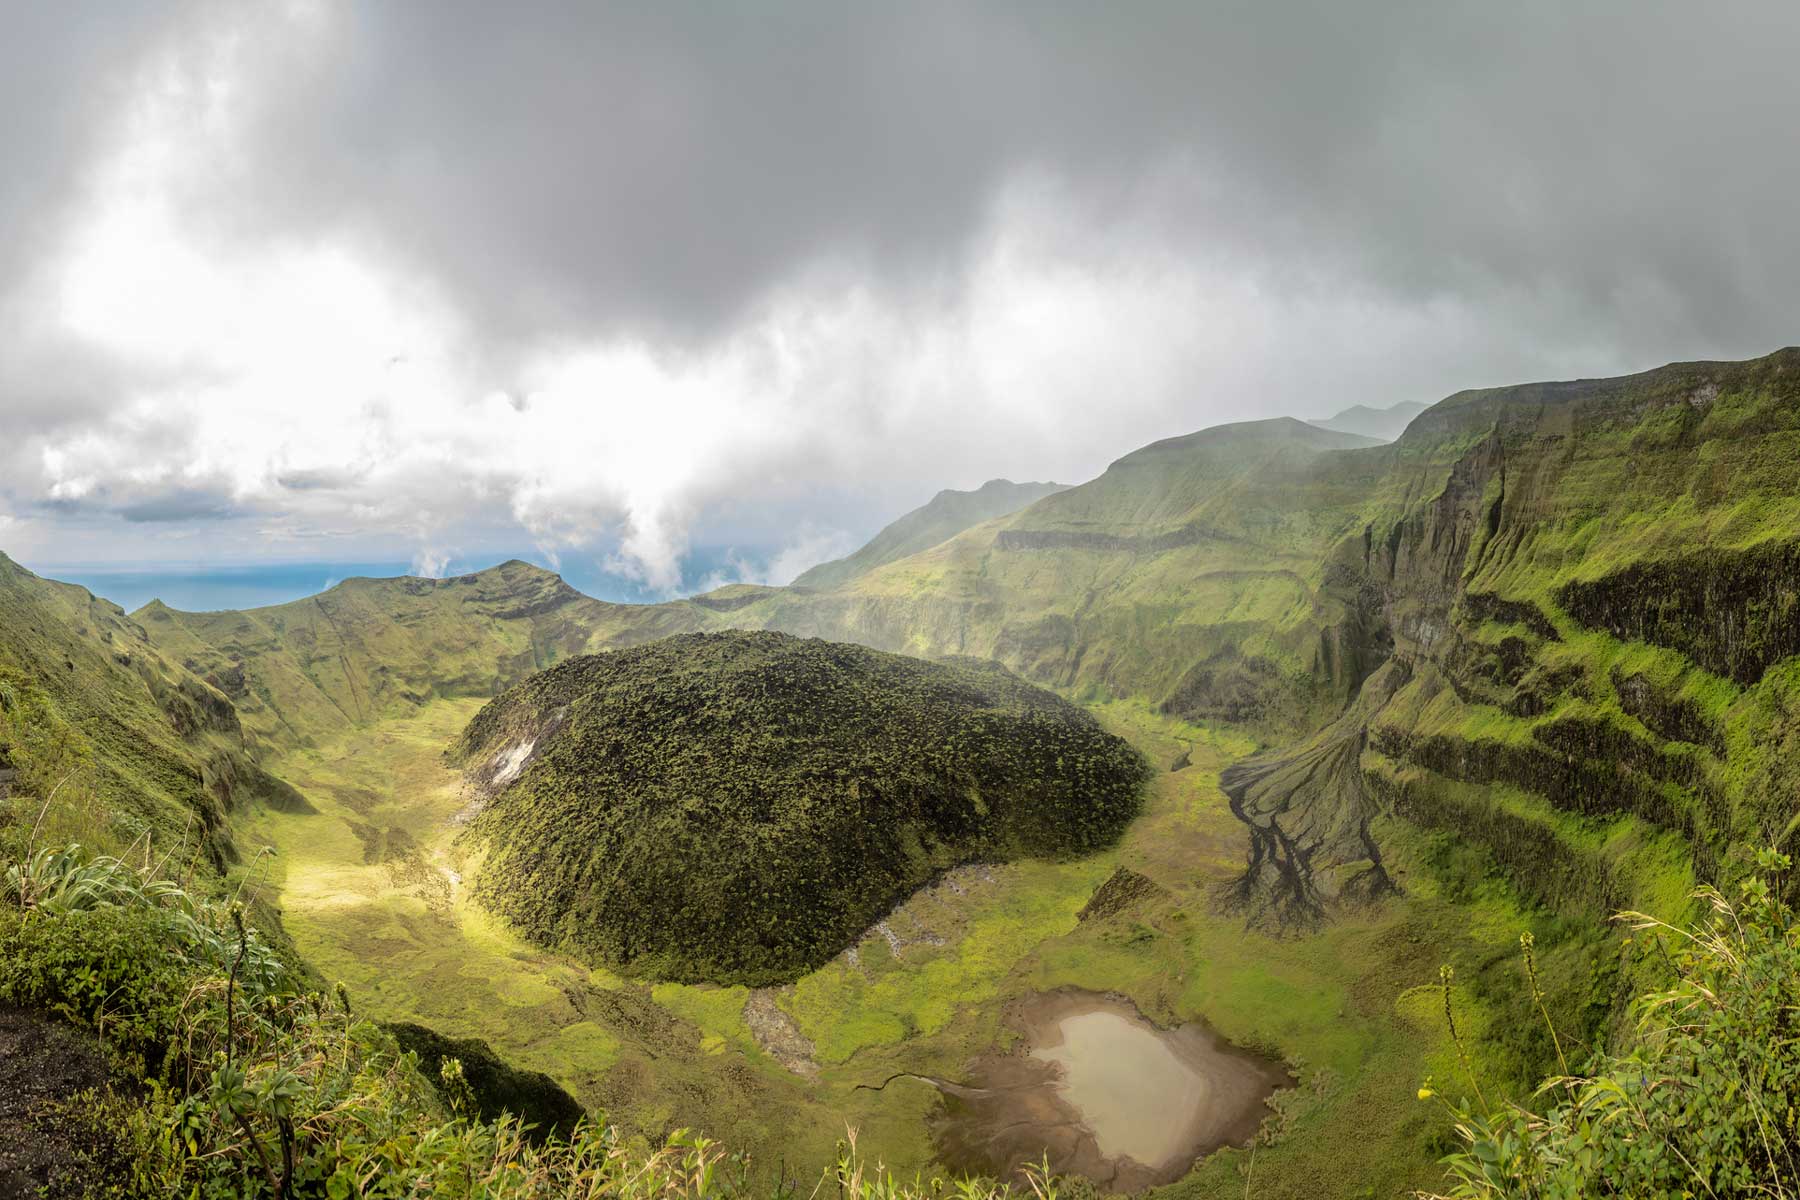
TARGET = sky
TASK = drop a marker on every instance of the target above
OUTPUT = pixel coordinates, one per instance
(674, 295)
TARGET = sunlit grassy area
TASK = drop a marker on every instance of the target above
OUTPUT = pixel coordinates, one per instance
(373, 887)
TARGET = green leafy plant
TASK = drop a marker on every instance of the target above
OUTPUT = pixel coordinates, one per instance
(1707, 1100)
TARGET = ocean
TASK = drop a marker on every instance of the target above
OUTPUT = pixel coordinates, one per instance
(210, 588)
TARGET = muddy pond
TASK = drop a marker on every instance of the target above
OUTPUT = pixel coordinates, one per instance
(1104, 1093)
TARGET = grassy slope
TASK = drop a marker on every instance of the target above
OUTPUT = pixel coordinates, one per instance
(739, 806)
(1181, 552)
(947, 514)
(144, 746)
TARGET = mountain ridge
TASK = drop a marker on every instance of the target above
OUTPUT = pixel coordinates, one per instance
(1255, 573)
(1383, 424)
(159, 752)
(945, 515)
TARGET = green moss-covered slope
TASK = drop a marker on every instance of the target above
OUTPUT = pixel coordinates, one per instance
(1193, 572)
(742, 806)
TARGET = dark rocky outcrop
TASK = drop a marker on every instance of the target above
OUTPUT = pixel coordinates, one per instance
(1735, 612)
(1227, 687)
(1308, 815)
(1486, 606)
(1665, 714)
(1123, 890)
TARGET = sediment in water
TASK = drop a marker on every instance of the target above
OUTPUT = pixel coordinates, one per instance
(1103, 1092)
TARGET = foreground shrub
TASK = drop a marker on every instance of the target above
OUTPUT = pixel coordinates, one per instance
(1707, 1103)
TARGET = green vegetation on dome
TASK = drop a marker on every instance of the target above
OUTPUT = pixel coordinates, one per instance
(740, 807)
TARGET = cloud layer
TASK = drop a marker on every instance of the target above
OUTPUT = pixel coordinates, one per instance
(431, 279)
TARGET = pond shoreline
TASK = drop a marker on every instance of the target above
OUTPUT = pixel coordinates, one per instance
(1104, 1092)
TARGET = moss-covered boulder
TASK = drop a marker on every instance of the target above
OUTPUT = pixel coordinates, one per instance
(742, 806)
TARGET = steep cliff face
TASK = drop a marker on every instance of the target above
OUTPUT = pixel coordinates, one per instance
(1593, 625)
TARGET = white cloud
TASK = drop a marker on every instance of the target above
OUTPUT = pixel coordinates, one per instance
(314, 384)
(430, 563)
(809, 548)
(809, 551)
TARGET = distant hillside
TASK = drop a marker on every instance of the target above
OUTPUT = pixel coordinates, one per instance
(1189, 572)
(741, 806)
(1383, 424)
(373, 648)
(948, 514)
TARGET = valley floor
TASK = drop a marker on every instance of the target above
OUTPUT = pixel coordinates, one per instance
(372, 887)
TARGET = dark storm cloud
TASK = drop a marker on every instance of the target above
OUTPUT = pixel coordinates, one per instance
(570, 169)
(63, 67)
(580, 168)
(182, 504)
(146, 505)
(321, 479)
(871, 244)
